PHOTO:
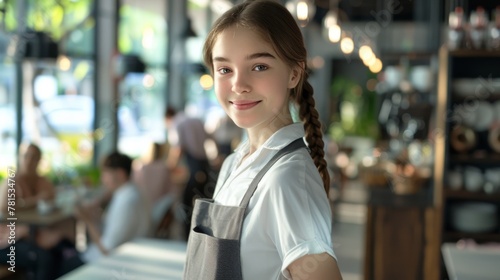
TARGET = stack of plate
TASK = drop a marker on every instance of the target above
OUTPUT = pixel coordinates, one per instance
(474, 217)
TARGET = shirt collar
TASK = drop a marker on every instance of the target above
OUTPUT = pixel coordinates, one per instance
(278, 140)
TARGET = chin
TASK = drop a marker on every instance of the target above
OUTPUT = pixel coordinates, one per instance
(244, 123)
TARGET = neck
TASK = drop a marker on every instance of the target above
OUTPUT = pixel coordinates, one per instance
(258, 135)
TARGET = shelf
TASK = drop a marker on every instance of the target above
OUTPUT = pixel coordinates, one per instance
(486, 237)
(492, 97)
(477, 158)
(466, 195)
(475, 53)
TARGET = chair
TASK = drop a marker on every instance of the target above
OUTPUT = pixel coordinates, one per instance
(163, 216)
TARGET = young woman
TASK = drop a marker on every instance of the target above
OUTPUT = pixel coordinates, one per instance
(270, 217)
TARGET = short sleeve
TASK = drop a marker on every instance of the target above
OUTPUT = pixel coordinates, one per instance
(300, 220)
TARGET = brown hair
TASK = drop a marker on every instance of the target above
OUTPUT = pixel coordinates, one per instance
(116, 160)
(278, 27)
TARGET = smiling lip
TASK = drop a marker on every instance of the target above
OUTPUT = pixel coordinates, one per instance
(244, 105)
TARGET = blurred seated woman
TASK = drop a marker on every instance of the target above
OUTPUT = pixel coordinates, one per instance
(30, 186)
(151, 175)
(32, 256)
(154, 180)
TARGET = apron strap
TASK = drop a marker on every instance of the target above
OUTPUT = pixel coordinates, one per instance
(295, 145)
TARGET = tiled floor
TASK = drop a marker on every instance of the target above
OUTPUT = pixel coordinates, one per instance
(348, 242)
(349, 230)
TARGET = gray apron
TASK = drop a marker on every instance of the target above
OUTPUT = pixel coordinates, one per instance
(213, 250)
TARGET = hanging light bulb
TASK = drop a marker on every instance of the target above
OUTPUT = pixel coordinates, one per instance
(377, 66)
(347, 45)
(331, 23)
(302, 10)
(365, 52)
(331, 19)
(334, 33)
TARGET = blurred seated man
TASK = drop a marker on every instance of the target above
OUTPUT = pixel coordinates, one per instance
(28, 187)
(126, 217)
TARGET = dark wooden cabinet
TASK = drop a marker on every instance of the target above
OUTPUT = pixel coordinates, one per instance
(400, 238)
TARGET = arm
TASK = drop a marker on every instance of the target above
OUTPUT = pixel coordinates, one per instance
(318, 266)
(94, 233)
(174, 156)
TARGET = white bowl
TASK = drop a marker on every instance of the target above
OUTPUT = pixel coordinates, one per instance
(485, 115)
(393, 76)
(421, 78)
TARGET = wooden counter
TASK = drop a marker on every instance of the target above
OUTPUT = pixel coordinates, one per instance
(399, 236)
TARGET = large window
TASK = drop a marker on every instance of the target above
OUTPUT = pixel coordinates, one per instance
(7, 117)
(57, 100)
(143, 34)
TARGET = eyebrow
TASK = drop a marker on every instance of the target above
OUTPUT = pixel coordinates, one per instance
(248, 57)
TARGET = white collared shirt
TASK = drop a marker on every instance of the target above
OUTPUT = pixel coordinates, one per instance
(289, 215)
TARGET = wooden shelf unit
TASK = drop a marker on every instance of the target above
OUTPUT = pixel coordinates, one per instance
(445, 158)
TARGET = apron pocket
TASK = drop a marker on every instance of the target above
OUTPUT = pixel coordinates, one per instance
(212, 258)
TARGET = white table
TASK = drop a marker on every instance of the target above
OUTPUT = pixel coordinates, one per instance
(144, 258)
(471, 263)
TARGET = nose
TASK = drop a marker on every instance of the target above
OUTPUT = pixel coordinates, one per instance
(241, 83)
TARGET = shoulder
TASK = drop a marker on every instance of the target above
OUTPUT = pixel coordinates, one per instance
(127, 194)
(295, 168)
(293, 175)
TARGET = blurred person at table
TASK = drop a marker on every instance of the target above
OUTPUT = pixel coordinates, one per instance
(126, 217)
(187, 137)
(151, 175)
(32, 256)
(31, 187)
(153, 178)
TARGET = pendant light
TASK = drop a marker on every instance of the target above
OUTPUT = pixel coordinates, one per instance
(331, 23)
(302, 10)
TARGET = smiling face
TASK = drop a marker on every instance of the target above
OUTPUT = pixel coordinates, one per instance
(251, 82)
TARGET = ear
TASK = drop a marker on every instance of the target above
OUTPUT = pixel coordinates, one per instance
(296, 74)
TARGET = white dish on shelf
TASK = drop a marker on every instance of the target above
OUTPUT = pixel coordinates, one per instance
(485, 115)
(464, 115)
(476, 114)
(477, 88)
(473, 178)
(474, 217)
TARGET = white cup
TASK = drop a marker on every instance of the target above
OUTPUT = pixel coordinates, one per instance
(473, 179)
(44, 207)
(455, 179)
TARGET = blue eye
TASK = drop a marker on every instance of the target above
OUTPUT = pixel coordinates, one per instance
(223, 71)
(260, 68)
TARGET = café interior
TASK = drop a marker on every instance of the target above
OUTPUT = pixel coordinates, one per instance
(408, 94)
